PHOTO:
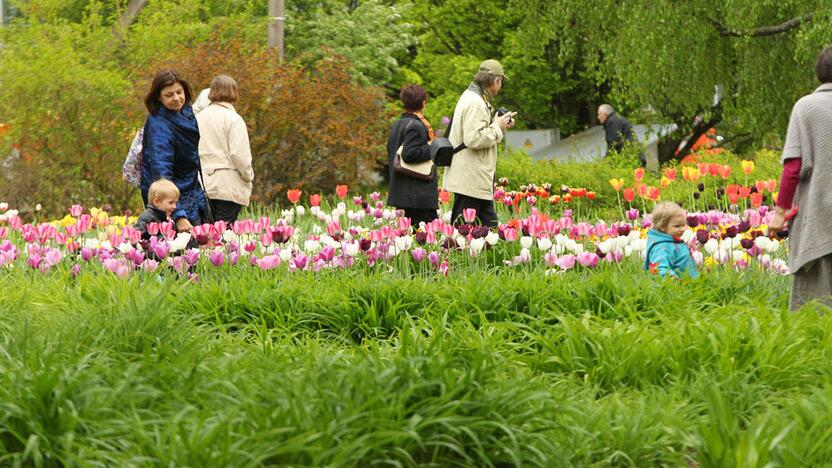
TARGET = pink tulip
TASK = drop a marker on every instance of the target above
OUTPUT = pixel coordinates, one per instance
(632, 214)
(153, 228)
(588, 259)
(566, 262)
(76, 211)
(52, 257)
(333, 228)
(4, 232)
(300, 261)
(75, 270)
(511, 235)
(404, 224)
(233, 258)
(550, 259)
(469, 215)
(217, 257)
(268, 262)
(166, 229)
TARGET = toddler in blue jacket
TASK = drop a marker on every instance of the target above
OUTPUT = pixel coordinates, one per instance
(667, 254)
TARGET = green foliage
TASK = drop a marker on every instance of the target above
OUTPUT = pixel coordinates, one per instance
(589, 368)
(670, 55)
(373, 36)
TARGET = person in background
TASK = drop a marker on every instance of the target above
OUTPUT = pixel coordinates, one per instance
(170, 142)
(163, 195)
(470, 177)
(667, 254)
(418, 198)
(224, 151)
(618, 131)
(804, 186)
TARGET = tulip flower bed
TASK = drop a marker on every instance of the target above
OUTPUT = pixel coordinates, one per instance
(335, 334)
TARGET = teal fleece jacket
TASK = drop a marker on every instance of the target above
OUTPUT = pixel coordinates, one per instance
(668, 256)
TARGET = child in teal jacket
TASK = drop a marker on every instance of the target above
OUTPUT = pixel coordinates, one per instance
(667, 254)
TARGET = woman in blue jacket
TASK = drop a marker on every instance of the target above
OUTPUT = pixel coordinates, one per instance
(171, 146)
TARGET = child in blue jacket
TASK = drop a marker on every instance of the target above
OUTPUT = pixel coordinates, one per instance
(667, 254)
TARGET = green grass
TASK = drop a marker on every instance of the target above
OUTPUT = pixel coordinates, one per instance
(592, 368)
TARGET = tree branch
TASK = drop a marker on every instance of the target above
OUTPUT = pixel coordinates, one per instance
(763, 30)
(131, 12)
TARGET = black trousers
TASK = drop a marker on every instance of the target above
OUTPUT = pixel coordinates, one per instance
(418, 215)
(485, 210)
(225, 210)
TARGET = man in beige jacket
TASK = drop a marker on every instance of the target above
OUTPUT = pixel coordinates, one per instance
(471, 174)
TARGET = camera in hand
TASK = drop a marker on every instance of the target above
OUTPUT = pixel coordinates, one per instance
(502, 111)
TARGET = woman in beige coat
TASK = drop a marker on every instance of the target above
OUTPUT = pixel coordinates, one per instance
(224, 151)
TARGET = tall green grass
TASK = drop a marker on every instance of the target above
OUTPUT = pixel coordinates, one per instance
(340, 369)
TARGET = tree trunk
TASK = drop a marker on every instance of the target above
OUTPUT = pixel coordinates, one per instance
(131, 13)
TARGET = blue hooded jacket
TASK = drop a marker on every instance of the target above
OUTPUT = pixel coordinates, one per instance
(171, 151)
(669, 256)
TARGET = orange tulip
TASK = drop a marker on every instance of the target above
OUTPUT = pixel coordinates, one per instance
(745, 192)
(341, 191)
(756, 199)
(293, 195)
(315, 200)
(723, 170)
(771, 185)
(567, 198)
(617, 184)
(629, 194)
(747, 166)
(664, 182)
(591, 195)
(670, 173)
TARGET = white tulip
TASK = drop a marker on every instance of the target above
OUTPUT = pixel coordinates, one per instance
(477, 246)
(711, 246)
(544, 243)
(492, 238)
(526, 242)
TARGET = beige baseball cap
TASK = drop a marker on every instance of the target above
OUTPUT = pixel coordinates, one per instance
(494, 67)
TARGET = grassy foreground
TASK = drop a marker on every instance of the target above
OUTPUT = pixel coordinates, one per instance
(259, 368)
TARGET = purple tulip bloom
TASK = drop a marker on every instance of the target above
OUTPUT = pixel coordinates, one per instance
(216, 257)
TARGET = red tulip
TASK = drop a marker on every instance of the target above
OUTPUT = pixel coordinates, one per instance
(315, 200)
(341, 191)
(629, 194)
(293, 195)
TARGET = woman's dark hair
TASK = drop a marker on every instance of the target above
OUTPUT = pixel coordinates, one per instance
(412, 97)
(823, 66)
(162, 80)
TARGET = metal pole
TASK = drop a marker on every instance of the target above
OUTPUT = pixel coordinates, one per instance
(276, 23)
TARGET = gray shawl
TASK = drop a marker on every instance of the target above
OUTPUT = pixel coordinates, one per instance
(809, 138)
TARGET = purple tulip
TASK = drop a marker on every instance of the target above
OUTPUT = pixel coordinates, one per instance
(418, 254)
(191, 257)
(216, 257)
(433, 257)
(702, 235)
(632, 214)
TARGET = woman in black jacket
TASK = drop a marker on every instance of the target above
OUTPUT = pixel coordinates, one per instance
(419, 199)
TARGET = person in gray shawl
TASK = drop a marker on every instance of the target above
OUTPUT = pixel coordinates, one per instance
(805, 183)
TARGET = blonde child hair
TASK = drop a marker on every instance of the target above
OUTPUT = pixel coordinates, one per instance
(162, 189)
(662, 214)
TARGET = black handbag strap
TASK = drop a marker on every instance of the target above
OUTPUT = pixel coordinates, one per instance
(448, 132)
(205, 193)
